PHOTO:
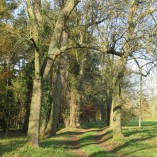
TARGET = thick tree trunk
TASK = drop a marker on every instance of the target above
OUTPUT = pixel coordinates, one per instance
(74, 110)
(56, 104)
(33, 8)
(55, 109)
(34, 119)
(48, 130)
(35, 108)
(117, 128)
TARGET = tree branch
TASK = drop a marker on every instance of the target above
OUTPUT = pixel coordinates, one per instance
(96, 48)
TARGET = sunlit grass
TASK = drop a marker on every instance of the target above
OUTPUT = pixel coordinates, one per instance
(144, 123)
(88, 145)
(139, 142)
(49, 147)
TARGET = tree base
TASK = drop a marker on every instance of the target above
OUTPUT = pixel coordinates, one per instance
(117, 136)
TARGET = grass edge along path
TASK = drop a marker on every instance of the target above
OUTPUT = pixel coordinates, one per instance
(88, 145)
(52, 146)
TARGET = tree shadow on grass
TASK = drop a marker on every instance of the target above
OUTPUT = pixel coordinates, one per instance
(60, 141)
(53, 143)
(137, 150)
(98, 125)
(69, 133)
(135, 131)
(96, 139)
(12, 134)
(102, 154)
(68, 144)
(10, 145)
(133, 142)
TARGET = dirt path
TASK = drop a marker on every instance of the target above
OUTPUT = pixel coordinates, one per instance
(73, 142)
(102, 139)
(105, 141)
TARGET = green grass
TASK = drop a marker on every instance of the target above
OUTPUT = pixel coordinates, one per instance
(144, 123)
(89, 146)
(89, 125)
(50, 147)
(139, 142)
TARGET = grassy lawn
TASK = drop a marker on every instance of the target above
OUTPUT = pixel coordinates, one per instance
(50, 147)
(139, 142)
(97, 125)
(134, 123)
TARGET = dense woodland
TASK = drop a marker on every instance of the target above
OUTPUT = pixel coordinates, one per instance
(66, 62)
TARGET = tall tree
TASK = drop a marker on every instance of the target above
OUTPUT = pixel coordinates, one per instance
(55, 48)
(35, 20)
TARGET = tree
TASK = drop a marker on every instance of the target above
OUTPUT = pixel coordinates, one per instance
(55, 49)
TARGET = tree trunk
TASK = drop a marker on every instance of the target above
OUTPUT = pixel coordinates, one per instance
(109, 108)
(48, 130)
(56, 104)
(26, 119)
(111, 115)
(117, 128)
(74, 110)
(34, 119)
(33, 8)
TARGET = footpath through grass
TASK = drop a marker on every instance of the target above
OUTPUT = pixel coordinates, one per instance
(95, 142)
(137, 142)
(88, 144)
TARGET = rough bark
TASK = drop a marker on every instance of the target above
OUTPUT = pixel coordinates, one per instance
(56, 104)
(128, 48)
(34, 119)
(74, 110)
(48, 130)
(117, 128)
